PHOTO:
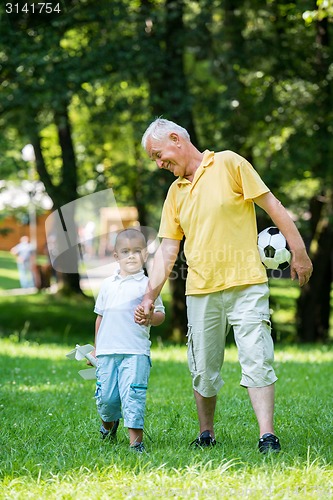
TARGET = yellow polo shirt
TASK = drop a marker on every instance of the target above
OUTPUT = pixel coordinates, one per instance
(215, 212)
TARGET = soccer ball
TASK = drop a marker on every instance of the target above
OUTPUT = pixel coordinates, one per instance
(273, 249)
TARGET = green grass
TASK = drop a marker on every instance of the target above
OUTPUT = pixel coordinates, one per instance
(284, 293)
(50, 447)
(9, 277)
(47, 318)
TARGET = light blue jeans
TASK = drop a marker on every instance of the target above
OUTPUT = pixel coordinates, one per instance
(121, 388)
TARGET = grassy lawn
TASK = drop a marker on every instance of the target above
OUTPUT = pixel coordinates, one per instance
(50, 446)
(9, 277)
(49, 440)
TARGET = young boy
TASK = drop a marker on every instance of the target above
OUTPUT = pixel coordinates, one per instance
(122, 346)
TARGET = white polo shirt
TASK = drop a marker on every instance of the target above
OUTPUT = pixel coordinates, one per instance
(116, 302)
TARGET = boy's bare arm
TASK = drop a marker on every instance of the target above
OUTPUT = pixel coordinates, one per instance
(157, 318)
(164, 260)
(97, 325)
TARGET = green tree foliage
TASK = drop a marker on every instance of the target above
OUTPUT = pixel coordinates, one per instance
(252, 76)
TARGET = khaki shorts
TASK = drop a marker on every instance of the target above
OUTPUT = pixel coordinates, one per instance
(210, 316)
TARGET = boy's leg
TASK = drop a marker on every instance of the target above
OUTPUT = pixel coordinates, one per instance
(107, 392)
(108, 426)
(135, 436)
(133, 382)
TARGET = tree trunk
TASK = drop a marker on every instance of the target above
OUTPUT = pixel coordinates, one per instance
(169, 97)
(313, 307)
(313, 311)
(69, 279)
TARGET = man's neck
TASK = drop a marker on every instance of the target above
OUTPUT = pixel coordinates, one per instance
(195, 159)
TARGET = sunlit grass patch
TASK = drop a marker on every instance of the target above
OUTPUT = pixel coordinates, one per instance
(50, 445)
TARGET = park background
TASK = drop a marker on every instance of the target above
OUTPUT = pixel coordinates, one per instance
(81, 84)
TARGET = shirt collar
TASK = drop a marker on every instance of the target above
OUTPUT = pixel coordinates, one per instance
(207, 161)
(137, 276)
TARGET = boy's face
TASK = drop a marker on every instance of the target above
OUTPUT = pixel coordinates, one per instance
(131, 254)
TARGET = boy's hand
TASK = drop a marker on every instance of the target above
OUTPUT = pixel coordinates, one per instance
(141, 317)
(93, 353)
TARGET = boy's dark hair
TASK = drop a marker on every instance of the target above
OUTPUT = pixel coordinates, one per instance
(130, 233)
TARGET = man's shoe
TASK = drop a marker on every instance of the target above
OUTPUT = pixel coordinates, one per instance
(138, 448)
(111, 433)
(204, 440)
(268, 442)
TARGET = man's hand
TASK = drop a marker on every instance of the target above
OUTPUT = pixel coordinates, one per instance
(301, 267)
(144, 311)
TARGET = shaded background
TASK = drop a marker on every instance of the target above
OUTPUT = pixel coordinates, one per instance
(82, 82)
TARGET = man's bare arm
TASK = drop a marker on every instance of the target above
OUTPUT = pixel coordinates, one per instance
(163, 263)
(301, 265)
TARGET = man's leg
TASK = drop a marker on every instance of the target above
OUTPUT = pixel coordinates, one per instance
(206, 411)
(262, 399)
(207, 331)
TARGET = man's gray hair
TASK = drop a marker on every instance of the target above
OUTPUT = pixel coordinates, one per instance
(160, 128)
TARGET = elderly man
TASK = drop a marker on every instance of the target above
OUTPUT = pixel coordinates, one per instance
(211, 204)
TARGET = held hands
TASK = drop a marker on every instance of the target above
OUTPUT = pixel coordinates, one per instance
(144, 312)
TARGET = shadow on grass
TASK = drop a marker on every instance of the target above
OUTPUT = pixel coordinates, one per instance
(49, 318)
(46, 319)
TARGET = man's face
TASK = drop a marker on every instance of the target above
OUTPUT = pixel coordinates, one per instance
(167, 154)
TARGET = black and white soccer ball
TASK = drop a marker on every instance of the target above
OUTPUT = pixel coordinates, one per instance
(273, 249)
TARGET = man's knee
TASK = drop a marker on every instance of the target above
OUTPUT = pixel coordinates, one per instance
(205, 386)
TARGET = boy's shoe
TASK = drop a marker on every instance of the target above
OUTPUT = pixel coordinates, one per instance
(204, 440)
(138, 448)
(268, 442)
(111, 433)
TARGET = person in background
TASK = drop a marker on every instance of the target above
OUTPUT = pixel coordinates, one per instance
(25, 257)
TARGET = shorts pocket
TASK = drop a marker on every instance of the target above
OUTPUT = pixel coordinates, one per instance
(98, 392)
(190, 350)
(266, 321)
(138, 387)
(137, 399)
